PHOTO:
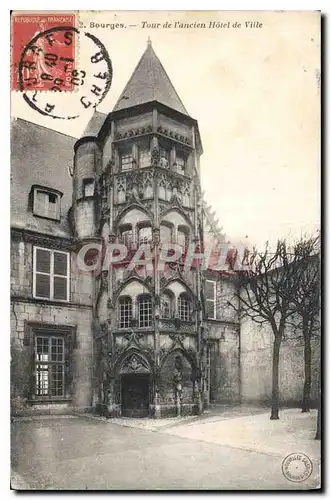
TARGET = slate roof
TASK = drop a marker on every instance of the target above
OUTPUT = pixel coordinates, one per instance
(40, 156)
(149, 82)
(94, 125)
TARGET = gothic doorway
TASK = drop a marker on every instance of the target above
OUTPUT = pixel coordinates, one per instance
(135, 386)
(135, 395)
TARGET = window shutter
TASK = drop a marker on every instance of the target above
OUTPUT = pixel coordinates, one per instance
(32, 374)
(68, 359)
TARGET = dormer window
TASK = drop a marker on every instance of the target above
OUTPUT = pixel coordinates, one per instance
(46, 202)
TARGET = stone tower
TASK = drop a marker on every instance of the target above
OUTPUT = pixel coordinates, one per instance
(148, 319)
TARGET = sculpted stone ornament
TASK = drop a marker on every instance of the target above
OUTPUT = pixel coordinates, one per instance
(134, 364)
(155, 157)
(112, 237)
(178, 376)
(156, 236)
(164, 162)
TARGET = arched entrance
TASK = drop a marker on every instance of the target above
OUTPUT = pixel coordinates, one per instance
(135, 386)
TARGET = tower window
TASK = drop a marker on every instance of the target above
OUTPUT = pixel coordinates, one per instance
(145, 311)
(184, 307)
(162, 191)
(181, 163)
(127, 237)
(88, 187)
(182, 237)
(125, 312)
(144, 158)
(145, 235)
(165, 306)
(186, 196)
(126, 161)
(165, 233)
(164, 157)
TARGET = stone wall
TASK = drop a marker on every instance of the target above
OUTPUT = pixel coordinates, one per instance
(224, 362)
(26, 310)
(23, 313)
(256, 366)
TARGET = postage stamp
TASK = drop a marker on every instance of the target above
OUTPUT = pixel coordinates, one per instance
(47, 56)
(47, 70)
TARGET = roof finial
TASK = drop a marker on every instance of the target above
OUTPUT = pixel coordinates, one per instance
(149, 42)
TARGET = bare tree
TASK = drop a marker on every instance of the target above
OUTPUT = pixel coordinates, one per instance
(304, 296)
(263, 296)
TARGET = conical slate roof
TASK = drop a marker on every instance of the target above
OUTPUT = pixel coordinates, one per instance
(149, 82)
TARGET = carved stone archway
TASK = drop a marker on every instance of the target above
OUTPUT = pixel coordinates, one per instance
(134, 363)
(136, 385)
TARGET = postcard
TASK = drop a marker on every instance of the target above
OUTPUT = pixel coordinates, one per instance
(165, 250)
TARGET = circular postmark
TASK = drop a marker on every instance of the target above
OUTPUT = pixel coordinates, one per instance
(297, 467)
(57, 83)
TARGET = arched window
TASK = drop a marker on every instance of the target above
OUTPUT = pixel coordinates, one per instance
(121, 194)
(145, 235)
(181, 163)
(148, 190)
(168, 191)
(127, 236)
(145, 310)
(166, 304)
(126, 160)
(186, 196)
(165, 233)
(184, 307)
(182, 236)
(144, 158)
(125, 312)
(162, 190)
(164, 157)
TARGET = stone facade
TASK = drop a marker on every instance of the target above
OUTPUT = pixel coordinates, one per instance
(121, 339)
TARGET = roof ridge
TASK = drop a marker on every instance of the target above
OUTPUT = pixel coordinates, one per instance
(13, 118)
(130, 80)
(177, 95)
(150, 82)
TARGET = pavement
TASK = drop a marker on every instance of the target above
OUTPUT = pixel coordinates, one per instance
(224, 449)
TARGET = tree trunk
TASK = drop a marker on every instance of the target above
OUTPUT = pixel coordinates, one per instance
(307, 357)
(318, 430)
(275, 379)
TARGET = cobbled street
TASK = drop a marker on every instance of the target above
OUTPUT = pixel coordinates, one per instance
(213, 452)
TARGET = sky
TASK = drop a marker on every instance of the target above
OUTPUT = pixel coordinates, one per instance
(255, 92)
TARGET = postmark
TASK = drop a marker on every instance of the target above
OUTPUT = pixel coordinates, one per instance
(297, 467)
(91, 77)
(43, 57)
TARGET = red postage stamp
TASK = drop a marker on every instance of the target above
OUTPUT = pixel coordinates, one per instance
(43, 51)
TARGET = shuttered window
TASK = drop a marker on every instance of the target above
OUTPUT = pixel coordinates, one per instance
(211, 298)
(46, 204)
(50, 274)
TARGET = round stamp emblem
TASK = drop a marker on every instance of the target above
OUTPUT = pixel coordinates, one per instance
(64, 71)
(297, 467)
